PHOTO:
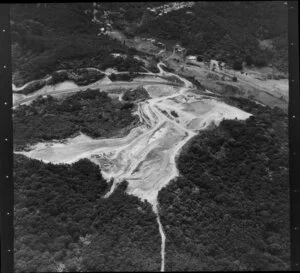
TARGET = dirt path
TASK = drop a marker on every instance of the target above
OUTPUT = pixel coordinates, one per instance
(163, 243)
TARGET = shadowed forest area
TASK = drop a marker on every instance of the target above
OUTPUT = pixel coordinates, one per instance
(229, 209)
(53, 36)
(227, 31)
(61, 217)
(137, 94)
(90, 112)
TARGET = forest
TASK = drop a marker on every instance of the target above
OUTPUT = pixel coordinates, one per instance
(127, 77)
(227, 31)
(49, 37)
(62, 219)
(91, 112)
(54, 36)
(229, 208)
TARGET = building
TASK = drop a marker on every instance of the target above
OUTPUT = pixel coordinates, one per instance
(191, 58)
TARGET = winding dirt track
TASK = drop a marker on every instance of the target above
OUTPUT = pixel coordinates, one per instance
(146, 157)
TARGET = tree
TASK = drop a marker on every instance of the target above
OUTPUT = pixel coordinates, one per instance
(260, 62)
(237, 65)
(249, 60)
(199, 59)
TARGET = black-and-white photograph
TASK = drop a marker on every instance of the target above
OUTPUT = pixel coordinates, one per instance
(150, 136)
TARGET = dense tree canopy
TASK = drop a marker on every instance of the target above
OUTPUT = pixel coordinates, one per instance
(229, 209)
(136, 94)
(90, 112)
(53, 36)
(227, 30)
(61, 218)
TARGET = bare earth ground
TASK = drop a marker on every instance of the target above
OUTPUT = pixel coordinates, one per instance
(169, 119)
(146, 156)
(254, 85)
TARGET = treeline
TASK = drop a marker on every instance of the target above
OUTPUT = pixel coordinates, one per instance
(229, 209)
(62, 221)
(91, 112)
(127, 77)
(79, 76)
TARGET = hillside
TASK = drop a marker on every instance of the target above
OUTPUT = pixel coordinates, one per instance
(228, 209)
(150, 136)
(227, 31)
(49, 37)
(62, 221)
(82, 112)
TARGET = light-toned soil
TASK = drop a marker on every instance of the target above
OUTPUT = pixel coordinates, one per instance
(145, 157)
(254, 85)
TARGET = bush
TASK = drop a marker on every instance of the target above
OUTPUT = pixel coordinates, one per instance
(237, 65)
(113, 77)
(81, 112)
(174, 114)
(139, 93)
(229, 201)
(260, 62)
(248, 60)
(65, 202)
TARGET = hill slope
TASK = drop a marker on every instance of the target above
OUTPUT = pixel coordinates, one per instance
(227, 30)
(48, 37)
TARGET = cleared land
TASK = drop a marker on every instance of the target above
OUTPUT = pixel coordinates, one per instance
(145, 157)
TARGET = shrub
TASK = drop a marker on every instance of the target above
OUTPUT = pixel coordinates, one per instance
(248, 60)
(237, 65)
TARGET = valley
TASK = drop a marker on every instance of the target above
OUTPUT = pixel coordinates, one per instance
(150, 111)
(146, 157)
